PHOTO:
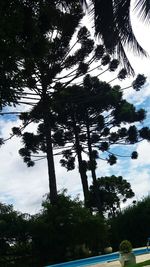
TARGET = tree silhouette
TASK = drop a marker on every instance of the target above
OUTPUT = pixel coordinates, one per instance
(94, 117)
(112, 191)
(45, 51)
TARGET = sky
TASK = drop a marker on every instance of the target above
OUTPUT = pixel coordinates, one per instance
(25, 188)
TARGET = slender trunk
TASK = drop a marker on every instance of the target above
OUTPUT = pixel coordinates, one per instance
(49, 146)
(50, 161)
(82, 169)
(92, 164)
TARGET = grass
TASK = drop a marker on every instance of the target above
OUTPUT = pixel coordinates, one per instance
(144, 263)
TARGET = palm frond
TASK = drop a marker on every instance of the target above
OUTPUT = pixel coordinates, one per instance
(123, 58)
(113, 25)
(124, 27)
(84, 2)
(143, 9)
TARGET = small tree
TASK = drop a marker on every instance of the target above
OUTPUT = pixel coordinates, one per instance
(112, 191)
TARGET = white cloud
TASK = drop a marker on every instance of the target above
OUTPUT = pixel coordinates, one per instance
(140, 180)
(143, 150)
(138, 97)
(25, 187)
(137, 171)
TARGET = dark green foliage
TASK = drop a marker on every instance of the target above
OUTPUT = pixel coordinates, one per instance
(99, 51)
(133, 134)
(65, 231)
(145, 133)
(127, 113)
(139, 82)
(132, 224)
(141, 264)
(16, 131)
(125, 246)
(134, 155)
(112, 159)
(113, 65)
(112, 191)
(105, 59)
(10, 51)
(122, 74)
(69, 164)
(104, 146)
(15, 236)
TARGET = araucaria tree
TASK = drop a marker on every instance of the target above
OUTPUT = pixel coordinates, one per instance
(88, 116)
(43, 46)
(42, 52)
(97, 118)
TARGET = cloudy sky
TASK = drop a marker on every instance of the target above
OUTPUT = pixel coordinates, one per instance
(25, 187)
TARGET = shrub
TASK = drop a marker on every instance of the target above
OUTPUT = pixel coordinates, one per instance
(125, 246)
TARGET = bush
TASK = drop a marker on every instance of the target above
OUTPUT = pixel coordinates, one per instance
(132, 224)
(66, 231)
(125, 246)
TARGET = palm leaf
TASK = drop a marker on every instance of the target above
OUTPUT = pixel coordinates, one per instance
(124, 27)
(113, 26)
(123, 58)
(84, 2)
(143, 9)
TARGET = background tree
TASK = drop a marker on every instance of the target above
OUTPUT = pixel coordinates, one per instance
(96, 117)
(113, 191)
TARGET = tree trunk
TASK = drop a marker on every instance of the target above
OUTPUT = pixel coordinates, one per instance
(49, 146)
(92, 161)
(50, 161)
(82, 169)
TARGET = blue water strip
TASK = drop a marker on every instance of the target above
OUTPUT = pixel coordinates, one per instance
(97, 259)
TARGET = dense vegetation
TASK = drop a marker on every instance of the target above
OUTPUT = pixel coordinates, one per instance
(67, 231)
(58, 233)
(132, 224)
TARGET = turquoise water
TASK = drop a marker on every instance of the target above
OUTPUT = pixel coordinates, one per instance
(98, 259)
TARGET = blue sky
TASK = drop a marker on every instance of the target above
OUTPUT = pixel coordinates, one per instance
(25, 187)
